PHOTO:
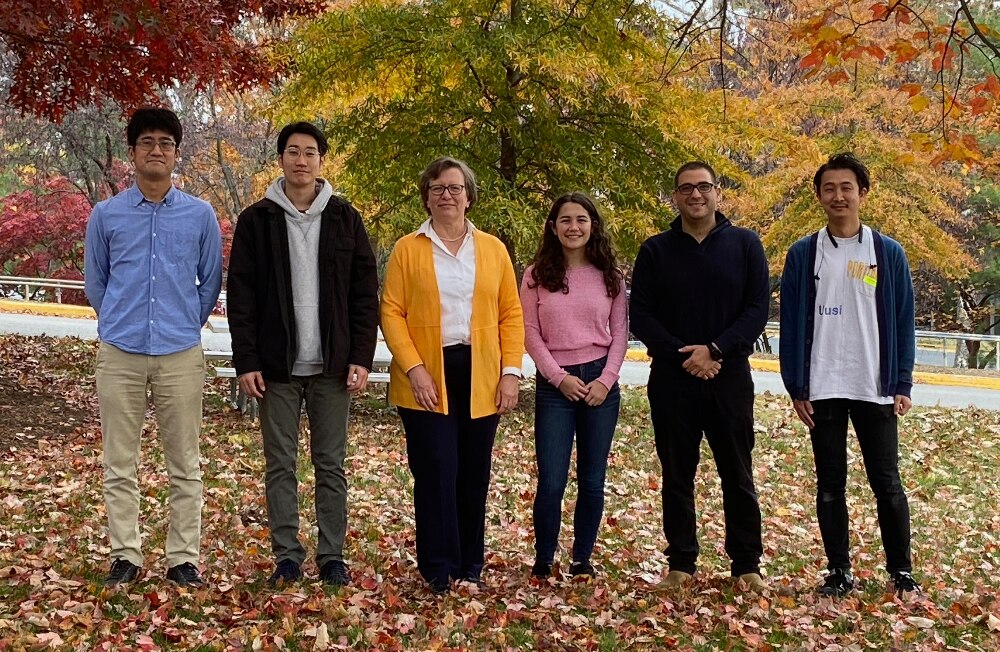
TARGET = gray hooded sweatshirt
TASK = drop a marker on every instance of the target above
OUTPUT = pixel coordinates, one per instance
(303, 251)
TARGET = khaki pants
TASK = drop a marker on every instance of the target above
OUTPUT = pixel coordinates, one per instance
(176, 382)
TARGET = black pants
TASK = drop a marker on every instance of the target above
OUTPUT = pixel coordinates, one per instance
(683, 409)
(450, 457)
(875, 426)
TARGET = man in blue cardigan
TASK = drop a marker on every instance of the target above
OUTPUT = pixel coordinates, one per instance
(847, 349)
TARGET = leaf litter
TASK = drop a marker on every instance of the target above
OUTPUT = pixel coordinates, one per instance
(54, 549)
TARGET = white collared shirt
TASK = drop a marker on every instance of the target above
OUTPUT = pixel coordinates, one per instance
(456, 281)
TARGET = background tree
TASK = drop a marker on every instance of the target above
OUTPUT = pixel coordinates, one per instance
(65, 54)
(538, 96)
(41, 232)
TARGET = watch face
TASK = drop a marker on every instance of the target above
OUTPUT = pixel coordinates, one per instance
(715, 353)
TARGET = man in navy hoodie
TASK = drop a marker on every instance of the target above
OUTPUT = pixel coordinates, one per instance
(699, 301)
(847, 349)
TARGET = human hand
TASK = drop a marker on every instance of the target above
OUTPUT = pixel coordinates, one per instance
(596, 393)
(357, 378)
(901, 405)
(804, 409)
(252, 384)
(572, 388)
(700, 362)
(424, 389)
(506, 398)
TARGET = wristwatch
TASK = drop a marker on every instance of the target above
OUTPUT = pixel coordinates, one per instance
(715, 352)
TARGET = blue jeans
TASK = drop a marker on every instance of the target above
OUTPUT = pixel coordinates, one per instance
(556, 420)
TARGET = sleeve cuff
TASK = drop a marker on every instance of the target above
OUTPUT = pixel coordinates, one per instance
(511, 371)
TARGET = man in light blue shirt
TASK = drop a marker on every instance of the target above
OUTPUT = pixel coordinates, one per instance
(153, 272)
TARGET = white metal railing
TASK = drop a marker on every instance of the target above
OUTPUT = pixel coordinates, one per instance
(57, 284)
(772, 326)
(938, 336)
(27, 282)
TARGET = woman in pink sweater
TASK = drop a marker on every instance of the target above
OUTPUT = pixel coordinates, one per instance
(576, 331)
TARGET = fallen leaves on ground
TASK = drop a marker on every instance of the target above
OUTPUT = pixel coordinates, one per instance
(54, 548)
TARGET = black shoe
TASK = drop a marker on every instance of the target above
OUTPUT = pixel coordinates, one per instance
(838, 583)
(903, 582)
(335, 573)
(542, 569)
(285, 572)
(581, 569)
(122, 572)
(438, 587)
(185, 574)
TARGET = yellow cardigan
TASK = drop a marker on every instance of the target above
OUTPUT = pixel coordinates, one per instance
(411, 320)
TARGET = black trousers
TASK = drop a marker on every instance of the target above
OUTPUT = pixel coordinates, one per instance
(683, 409)
(878, 439)
(450, 457)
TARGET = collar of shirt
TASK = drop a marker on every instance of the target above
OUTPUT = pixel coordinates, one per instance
(135, 196)
(426, 230)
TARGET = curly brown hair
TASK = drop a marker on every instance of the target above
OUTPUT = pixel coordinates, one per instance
(549, 269)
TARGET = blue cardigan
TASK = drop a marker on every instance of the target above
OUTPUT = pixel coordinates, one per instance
(894, 304)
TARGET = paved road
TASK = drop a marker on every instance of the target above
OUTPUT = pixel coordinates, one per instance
(633, 373)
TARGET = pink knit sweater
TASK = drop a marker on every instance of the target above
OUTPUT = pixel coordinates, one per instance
(583, 325)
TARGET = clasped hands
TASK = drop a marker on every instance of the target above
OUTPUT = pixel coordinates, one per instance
(592, 393)
(700, 363)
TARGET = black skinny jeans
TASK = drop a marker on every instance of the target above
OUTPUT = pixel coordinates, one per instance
(876, 427)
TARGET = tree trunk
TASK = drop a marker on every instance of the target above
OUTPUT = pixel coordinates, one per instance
(962, 358)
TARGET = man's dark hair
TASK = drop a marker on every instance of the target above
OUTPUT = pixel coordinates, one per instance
(844, 161)
(694, 165)
(151, 118)
(307, 128)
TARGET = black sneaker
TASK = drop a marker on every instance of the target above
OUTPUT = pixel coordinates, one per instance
(185, 574)
(122, 572)
(581, 569)
(838, 583)
(903, 582)
(335, 573)
(285, 572)
(541, 569)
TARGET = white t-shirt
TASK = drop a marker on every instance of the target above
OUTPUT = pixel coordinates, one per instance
(845, 348)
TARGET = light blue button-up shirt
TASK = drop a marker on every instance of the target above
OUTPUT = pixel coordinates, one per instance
(153, 271)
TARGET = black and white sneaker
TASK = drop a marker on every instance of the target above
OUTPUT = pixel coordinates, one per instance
(541, 569)
(903, 582)
(838, 583)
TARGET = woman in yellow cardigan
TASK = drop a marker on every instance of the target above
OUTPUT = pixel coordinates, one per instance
(452, 319)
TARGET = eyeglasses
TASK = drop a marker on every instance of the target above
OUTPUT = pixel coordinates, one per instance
(149, 144)
(688, 188)
(453, 190)
(295, 152)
